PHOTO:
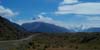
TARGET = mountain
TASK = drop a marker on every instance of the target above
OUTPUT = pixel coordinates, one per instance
(44, 27)
(79, 28)
(9, 30)
(94, 29)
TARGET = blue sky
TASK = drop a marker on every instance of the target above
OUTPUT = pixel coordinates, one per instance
(72, 12)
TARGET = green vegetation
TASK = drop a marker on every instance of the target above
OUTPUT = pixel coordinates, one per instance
(63, 41)
(11, 31)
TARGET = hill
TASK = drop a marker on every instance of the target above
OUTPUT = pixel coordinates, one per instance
(10, 31)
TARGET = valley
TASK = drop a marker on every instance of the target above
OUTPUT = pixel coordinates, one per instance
(54, 41)
(45, 36)
(49, 24)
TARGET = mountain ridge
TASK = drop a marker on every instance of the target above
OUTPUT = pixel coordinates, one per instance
(10, 31)
(44, 27)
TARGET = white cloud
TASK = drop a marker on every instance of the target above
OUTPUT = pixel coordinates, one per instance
(82, 8)
(43, 13)
(37, 19)
(88, 11)
(41, 18)
(6, 12)
(91, 23)
(20, 22)
(69, 1)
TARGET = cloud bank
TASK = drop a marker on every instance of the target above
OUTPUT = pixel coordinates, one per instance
(69, 1)
(88, 11)
(6, 12)
(87, 8)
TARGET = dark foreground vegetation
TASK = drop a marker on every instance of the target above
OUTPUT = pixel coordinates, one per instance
(11, 31)
(62, 41)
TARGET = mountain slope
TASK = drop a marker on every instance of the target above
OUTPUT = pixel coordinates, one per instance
(44, 27)
(94, 29)
(9, 30)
